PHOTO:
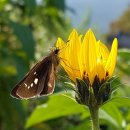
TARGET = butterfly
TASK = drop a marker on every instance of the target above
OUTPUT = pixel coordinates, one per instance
(40, 80)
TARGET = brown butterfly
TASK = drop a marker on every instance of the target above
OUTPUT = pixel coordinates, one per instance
(40, 80)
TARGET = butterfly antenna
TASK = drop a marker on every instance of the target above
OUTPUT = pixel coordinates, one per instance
(68, 65)
(64, 46)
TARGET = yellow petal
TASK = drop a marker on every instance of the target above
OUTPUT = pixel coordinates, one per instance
(101, 73)
(72, 33)
(69, 55)
(89, 55)
(62, 46)
(110, 65)
(60, 43)
(104, 52)
(74, 49)
(102, 56)
(63, 56)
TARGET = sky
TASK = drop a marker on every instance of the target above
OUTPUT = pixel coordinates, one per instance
(101, 12)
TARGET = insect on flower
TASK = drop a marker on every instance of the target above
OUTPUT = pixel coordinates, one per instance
(40, 80)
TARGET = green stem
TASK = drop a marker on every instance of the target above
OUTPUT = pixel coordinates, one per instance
(94, 112)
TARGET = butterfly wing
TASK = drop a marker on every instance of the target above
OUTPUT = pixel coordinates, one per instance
(50, 82)
(34, 83)
(14, 90)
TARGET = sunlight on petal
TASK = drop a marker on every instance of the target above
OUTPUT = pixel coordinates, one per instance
(87, 58)
(111, 62)
(89, 55)
(74, 49)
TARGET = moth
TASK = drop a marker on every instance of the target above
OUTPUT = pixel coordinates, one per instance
(40, 80)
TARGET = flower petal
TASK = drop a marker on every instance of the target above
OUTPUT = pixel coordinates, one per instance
(110, 65)
(74, 49)
(104, 52)
(69, 55)
(62, 46)
(60, 43)
(63, 55)
(89, 55)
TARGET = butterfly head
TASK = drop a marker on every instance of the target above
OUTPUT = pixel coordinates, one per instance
(56, 51)
(54, 56)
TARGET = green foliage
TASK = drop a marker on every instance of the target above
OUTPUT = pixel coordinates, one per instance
(57, 106)
(61, 105)
(24, 35)
(123, 62)
(2, 4)
(27, 29)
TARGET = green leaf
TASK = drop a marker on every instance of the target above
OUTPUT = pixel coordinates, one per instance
(83, 126)
(25, 36)
(123, 61)
(112, 109)
(57, 106)
(11, 110)
(104, 115)
(114, 114)
(61, 105)
(22, 67)
(119, 102)
(8, 70)
(30, 6)
(2, 4)
(124, 53)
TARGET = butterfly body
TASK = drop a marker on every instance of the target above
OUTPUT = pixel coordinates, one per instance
(40, 80)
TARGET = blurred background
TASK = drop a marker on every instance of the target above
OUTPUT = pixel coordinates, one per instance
(28, 28)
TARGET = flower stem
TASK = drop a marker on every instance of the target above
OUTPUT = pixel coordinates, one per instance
(94, 112)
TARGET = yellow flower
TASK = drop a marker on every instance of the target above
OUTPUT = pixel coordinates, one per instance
(69, 54)
(87, 59)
